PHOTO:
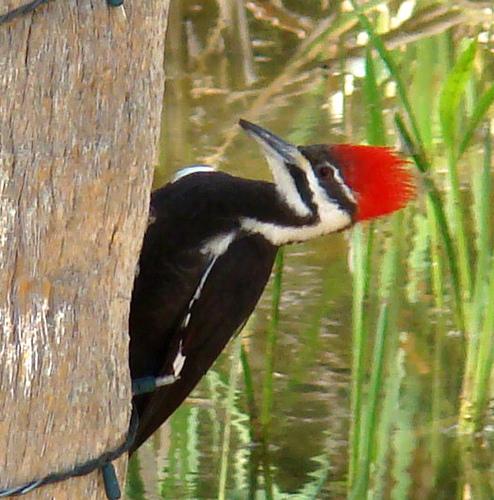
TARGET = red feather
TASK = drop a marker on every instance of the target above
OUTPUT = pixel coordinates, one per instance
(377, 176)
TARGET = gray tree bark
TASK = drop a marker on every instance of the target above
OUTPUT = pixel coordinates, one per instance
(81, 86)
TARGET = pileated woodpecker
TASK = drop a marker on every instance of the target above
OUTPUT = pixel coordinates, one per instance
(211, 243)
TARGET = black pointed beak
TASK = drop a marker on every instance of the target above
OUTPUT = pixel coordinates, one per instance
(270, 143)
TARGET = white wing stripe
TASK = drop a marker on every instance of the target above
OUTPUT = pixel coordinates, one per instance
(198, 291)
(178, 362)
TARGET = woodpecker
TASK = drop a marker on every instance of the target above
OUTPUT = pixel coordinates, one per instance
(211, 243)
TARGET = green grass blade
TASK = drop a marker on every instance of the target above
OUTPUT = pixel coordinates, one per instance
(452, 92)
(134, 487)
(422, 91)
(362, 243)
(418, 258)
(481, 108)
(360, 489)
(267, 393)
(362, 250)
(485, 362)
(442, 224)
(482, 197)
(249, 392)
(369, 417)
(480, 342)
(437, 263)
(441, 221)
(376, 131)
(413, 149)
(449, 106)
(389, 415)
(404, 440)
(230, 401)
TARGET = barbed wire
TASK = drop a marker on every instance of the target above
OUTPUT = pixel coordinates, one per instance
(31, 6)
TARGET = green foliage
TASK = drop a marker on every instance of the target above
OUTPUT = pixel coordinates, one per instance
(134, 488)
(230, 402)
(376, 131)
(407, 356)
(267, 399)
(452, 228)
(449, 108)
(453, 89)
(479, 113)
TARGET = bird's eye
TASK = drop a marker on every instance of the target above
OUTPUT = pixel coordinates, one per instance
(325, 172)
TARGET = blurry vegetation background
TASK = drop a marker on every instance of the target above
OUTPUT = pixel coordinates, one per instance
(365, 370)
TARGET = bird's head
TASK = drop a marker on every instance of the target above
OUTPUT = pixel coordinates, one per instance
(353, 182)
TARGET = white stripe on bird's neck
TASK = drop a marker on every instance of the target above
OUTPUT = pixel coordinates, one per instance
(281, 235)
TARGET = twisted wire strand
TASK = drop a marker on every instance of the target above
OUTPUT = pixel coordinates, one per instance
(87, 467)
(21, 11)
(31, 6)
(142, 385)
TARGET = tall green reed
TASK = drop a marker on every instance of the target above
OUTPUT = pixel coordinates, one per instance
(479, 360)
(415, 144)
(450, 226)
(362, 243)
(267, 393)
(480, 349)
(371, 421)
(369, 418)
(134, 487)
(449, 104)
(230, 401)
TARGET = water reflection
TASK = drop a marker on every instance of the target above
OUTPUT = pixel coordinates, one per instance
(296, 67)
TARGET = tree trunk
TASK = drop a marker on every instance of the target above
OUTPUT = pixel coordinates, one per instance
(80, 98)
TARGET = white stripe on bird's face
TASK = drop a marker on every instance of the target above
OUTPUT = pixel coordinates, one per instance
(284, 182)
(343, 185)
(280, 155)
(330, 216)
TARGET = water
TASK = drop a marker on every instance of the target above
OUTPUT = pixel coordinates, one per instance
(223, 64)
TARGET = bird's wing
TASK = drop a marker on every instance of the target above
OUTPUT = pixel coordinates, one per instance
(162, 291)
(172, 263)
(227, 296)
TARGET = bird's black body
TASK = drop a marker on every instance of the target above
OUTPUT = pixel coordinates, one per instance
(209, 249)
(184, 214)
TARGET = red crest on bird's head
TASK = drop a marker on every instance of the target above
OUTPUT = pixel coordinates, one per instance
(377, 176)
